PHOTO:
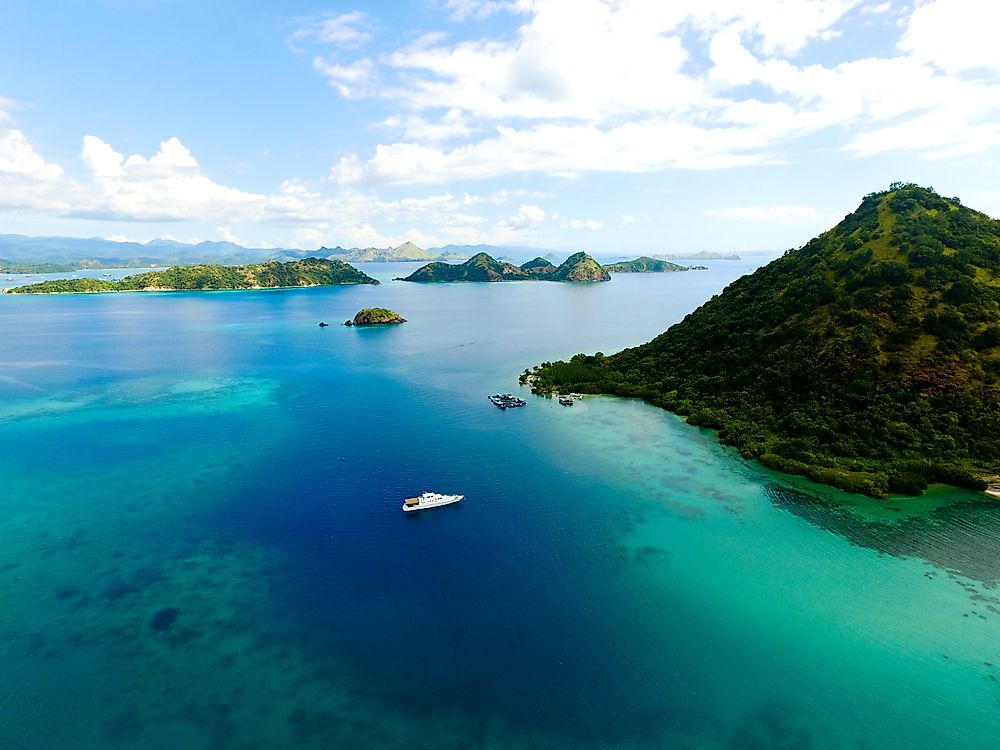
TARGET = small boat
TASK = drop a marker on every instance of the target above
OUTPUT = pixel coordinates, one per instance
(566, 400)
(429, 500)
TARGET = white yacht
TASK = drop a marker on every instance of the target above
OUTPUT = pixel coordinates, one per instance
(429, 500)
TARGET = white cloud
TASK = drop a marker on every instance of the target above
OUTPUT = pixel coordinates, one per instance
(349, 80)
(623, 56)
(528, 216)
(788, 214)
(170, 185)
(955, 35)
(627, 219)
(347, 30)
(589, 224)
(561, 149)
(452, 125)
(626, 92)
(460, 10)
(939, 134)
(102, 160)
(226, 234)
(19, 158)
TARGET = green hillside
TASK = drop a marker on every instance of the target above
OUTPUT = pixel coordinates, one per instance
(644, 264)
(297, 273)
(480, 267)
(868, 359)
(579, 267)
(538, 265)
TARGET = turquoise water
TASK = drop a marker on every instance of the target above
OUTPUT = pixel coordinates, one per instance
(203, 546)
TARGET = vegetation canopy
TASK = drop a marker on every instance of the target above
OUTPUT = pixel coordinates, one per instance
(868, 359)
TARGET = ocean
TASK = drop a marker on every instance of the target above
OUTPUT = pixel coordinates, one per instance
(203, 546)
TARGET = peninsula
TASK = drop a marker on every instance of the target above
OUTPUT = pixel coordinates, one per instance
(644, 264)
(868, 359)
(375, 316)
(578, 267)
(270, 275)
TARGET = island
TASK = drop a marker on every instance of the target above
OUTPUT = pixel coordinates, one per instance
(867, 359)
(578, 268)
(701, 255)
(645, 264)
(270, 275)
(375, 316)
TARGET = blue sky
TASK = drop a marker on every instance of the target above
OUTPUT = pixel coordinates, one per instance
(606, 125)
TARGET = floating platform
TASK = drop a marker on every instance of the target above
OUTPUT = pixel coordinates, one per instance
(506, 401)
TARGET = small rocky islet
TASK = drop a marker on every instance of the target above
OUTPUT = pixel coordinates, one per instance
(375, 316)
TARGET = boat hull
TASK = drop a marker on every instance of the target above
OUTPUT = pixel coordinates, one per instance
(435, 502)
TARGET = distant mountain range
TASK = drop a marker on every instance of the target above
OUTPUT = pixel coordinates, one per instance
(702, 255)
(20, 253)
(405, 252)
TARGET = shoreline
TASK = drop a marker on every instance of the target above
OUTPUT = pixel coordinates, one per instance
(993, 482)
(172, 289)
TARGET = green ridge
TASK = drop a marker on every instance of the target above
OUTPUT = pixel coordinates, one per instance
(868, 359)
(579, 267)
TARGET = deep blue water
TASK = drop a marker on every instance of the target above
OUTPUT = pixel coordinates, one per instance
(204, 547)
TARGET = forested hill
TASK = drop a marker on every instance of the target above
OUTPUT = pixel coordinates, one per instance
(297, 273)
(578, 267)
(868, 359)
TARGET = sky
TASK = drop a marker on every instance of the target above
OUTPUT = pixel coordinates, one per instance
(612, 126)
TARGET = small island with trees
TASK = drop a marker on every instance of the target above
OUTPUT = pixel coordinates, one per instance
(868, 359)
(645, 264)
(375, 316)
(271, 275)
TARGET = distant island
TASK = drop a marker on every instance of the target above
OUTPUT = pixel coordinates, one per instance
(645, 264)
(701, 255)
(375, 316)
(405, 252)
(868, 359)
(578, 267)
(271, 275)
